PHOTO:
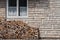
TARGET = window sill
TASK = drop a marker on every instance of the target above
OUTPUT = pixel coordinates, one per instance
(17, 17)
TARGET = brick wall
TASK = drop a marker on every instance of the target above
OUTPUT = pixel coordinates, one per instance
(47, 17)
(50, 26)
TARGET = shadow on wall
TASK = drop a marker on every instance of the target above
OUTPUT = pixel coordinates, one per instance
(2, 8)
(39, 3)
(2, 3)
(35, 3)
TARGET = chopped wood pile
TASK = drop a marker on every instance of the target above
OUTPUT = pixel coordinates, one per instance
(17, 30)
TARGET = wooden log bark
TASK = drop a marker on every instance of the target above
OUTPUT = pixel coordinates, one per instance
(17, 30)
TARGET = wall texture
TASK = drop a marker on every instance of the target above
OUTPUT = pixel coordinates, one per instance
(44, 15)
(2, 8)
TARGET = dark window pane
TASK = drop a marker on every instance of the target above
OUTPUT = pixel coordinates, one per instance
(12, 3)
(23, 3)
(22, 7)
(12, 7)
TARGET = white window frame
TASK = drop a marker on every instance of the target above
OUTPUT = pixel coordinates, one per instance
(17, 11)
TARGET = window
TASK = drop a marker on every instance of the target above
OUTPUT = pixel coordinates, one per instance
(16, 8)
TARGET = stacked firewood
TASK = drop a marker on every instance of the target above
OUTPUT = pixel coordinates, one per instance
(17, 29)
